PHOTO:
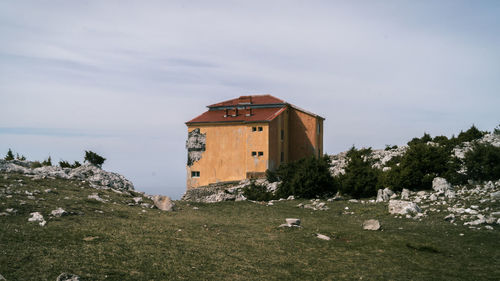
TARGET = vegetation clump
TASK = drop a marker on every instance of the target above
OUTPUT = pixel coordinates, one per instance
(306, 178)
(66, 164)
(257, 192)
(94, 158)
(482, 162)
(360, 178)
(9, 156)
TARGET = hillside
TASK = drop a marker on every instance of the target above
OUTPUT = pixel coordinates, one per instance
(106, 234)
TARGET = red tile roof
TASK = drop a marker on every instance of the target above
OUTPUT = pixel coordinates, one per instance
(258, 115)
(254, 100)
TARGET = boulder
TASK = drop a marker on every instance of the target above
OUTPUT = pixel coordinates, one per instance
(384, 195)
(58, 212)
(37, 217)
(371, 225)
(292, 222)
(68, 277)
(2, 278)
(405, 194)
(441, 185)
(163, 203)
(401, 207)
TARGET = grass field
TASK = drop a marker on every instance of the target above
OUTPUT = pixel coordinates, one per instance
(228, 240)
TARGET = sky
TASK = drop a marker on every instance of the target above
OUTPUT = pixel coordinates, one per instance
(120, 78)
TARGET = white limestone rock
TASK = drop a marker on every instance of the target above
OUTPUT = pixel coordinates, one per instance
(37, 217)
(163, 203)
(441, 185)
(59, 212)
(371, 224)
(322, 237)
(401, 207)
(67, 277)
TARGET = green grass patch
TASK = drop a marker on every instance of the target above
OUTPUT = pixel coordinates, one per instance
(227, 240)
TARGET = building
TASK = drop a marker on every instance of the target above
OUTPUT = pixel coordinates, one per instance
(243, 137)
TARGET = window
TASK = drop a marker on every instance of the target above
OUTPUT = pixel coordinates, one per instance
(282, 156)
(195, 174)
(260, 129)
(254, 153)
(282, 135)
(261, 153)
(319, 128)
(254, 129)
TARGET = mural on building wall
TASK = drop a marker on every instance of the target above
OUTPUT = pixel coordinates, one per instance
(195, 145)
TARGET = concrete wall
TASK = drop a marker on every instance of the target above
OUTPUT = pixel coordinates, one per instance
(228, 153)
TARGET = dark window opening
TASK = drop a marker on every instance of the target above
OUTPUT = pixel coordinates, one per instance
(254, 153)
(195, 174)
(282, 156)
(282, 134)
(261, 153)
(254, 129)
(260, 129)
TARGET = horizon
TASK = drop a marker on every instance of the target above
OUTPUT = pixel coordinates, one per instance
(121, 78)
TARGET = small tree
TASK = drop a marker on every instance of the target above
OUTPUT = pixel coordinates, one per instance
(360, 178)
(22, 158)
(483, 162)
(9, 156)
(47, 162)
(94, 158)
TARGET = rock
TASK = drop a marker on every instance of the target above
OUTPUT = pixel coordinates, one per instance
(292, 222)
(137, 200)
(58, 212)
(489, 227)
(450, 194)
(450, 217)
(433, 197)
(291, 197)
(405, 194)
(384, 195)
(441, 185)
(37, 217)
(2, 278)
(163, 203)
(476, 222)
(67, 277)
(95, 196)
(323, 237)
(402, 207)
(494, 214)
(495, 195)
(371, 225)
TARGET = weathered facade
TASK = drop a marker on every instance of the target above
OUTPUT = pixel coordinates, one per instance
(243, 137)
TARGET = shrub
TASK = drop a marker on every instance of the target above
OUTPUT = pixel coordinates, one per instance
(418, 167)
(271, 176)
(307, 178)
(389, 147)
(47, 162)
(483, 162)
(9, 156)
(94, 159)
(66, 164)
(360, 178)
(22, 158)
(423, 140)
(471, 134)
(257, 192)
(35, 164)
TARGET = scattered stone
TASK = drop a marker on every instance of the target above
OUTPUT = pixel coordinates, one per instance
(37, 217)
(403, 207)
(95, 196)
(489, 227)
(67, 277)
(163, 203)
(495, 195)
(90, 238)
(291, 197)
(433, 197)
(476, 222)
(137, 200)
(371, 225)
(1, 277)
(322, 237)
(450, 217)
(384, 195)
(441, 185)
(59, 212)
(292, 222)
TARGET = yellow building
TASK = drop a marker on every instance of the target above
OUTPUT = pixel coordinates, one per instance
(243, 137)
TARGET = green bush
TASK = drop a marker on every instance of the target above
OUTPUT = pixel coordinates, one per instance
(306, 178)
(360, 178)
(35, 164)
(419, 166)
(66, 164)
(9, 156)
(272, 176)
(257, 192)
(483, 162)
(94, 159)
(423, 140)
(471, 134)
(22, 158)
(47, 162)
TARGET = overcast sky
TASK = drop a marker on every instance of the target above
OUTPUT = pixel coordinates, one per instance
(121, 77)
